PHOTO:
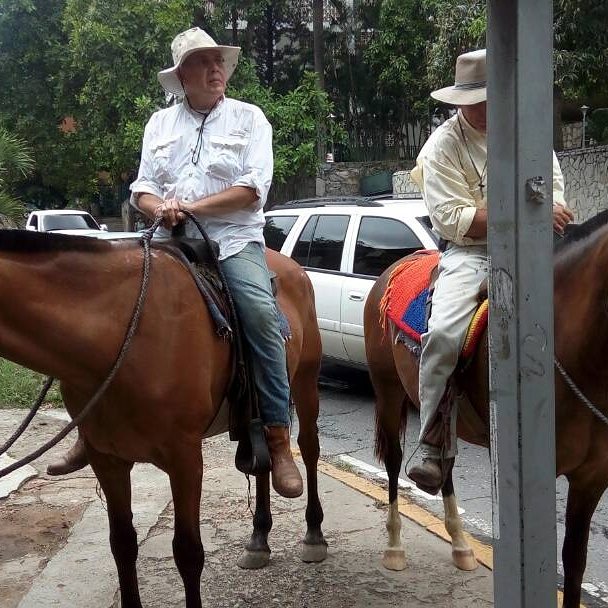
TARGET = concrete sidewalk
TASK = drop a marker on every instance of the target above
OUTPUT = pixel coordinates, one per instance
(79, 571)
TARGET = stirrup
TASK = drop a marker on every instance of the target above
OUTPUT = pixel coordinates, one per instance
(252, 455)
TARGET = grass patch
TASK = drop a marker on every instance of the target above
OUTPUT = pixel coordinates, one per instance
(20, 386)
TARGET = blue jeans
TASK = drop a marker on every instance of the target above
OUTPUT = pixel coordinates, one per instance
(249, 282)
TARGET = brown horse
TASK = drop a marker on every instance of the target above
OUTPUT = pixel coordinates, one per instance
(581, 339)
(67, 302)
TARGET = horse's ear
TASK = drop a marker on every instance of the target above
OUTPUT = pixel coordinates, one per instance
(483, 291)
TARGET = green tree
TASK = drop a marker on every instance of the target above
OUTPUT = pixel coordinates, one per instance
(32, 51)
(394, 55)
(15, 163)
(295, 117)
(115, 51)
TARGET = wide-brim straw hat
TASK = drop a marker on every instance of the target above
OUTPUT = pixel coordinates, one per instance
(192, 41)
(470, 84)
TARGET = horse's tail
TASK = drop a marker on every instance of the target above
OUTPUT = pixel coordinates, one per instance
(384, 434)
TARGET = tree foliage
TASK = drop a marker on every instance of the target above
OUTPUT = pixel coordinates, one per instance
(581, 48)
(16, 162)
(393, 56)
(96, 62)
(295, 116)
(580, 42)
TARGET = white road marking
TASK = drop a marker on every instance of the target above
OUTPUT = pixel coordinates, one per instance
(403, 483)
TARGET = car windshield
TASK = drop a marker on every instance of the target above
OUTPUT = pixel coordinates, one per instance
(66, 221)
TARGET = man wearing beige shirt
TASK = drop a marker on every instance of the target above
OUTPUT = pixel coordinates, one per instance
(451, 171)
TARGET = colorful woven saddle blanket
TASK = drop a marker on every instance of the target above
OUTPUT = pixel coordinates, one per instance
(406, 303)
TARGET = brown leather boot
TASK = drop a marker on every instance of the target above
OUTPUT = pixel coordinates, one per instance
(428, 475)
(286, 479)
(73, 460)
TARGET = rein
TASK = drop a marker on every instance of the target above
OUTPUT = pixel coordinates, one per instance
(132, 327)
(577, 391)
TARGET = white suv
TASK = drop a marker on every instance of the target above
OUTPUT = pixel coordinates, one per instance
(344, 244)
(66, 221)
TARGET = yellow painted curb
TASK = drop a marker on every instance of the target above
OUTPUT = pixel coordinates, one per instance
(414, 512)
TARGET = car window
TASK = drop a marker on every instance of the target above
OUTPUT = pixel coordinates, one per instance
(276, 230)
(321, 242)
(70, 222)
(34, 222)
(380, 242)
(425, 220)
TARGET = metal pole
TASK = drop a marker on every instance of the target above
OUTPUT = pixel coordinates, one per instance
(521, 301)
(584, 111)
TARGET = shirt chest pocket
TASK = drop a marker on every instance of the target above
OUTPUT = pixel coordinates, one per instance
(164, 159)
(226, 156)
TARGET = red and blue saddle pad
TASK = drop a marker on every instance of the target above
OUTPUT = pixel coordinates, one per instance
(405, 302)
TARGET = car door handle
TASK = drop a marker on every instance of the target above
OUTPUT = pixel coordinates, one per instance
(355, 296)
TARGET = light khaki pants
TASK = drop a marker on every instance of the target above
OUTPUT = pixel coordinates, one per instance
(461, 272)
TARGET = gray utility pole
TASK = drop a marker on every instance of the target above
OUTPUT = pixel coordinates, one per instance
(520, 98)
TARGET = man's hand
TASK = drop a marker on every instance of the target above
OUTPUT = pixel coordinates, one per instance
(170, 211)
(562, 216)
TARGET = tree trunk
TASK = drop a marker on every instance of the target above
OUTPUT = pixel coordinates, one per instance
(317, 37)
(235, 24)
(269, 43)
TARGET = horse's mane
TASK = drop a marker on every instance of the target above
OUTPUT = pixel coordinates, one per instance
(573, 251)
(578, 232)
(32, 242)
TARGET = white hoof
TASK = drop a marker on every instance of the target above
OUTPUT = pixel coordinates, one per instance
(394, 558)
(314, 553)
(253, 560)
(464, 559)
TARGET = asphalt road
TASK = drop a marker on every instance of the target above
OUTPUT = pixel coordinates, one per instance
(346, 426)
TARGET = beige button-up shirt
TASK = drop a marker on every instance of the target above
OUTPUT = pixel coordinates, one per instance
(452, 188)
(236, 150)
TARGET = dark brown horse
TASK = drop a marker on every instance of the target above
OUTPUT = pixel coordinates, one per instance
(65, 307)
(581, 341)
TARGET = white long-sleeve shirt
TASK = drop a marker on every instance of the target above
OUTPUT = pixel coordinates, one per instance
(449, 183)
(236, 151)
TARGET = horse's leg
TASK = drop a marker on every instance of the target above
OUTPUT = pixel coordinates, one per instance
(114, 476)
(462, 555)
(186, 475)
(257, 552)
(306, 396)
(391, 418)
(583, 496)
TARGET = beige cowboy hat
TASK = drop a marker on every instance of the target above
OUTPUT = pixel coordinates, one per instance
(188, 42)
(469, 83)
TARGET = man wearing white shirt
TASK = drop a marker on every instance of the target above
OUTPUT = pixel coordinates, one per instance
(451, 171)
(213, 156)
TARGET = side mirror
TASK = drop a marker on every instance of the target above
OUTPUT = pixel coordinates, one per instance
(104, 227)
(32, 228)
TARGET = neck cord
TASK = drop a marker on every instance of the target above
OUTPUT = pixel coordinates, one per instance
(196, 153)
(481, 175)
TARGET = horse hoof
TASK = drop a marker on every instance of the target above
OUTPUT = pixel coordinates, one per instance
(394, 559)
(314, 553)
(253, 560)
(464, 559)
